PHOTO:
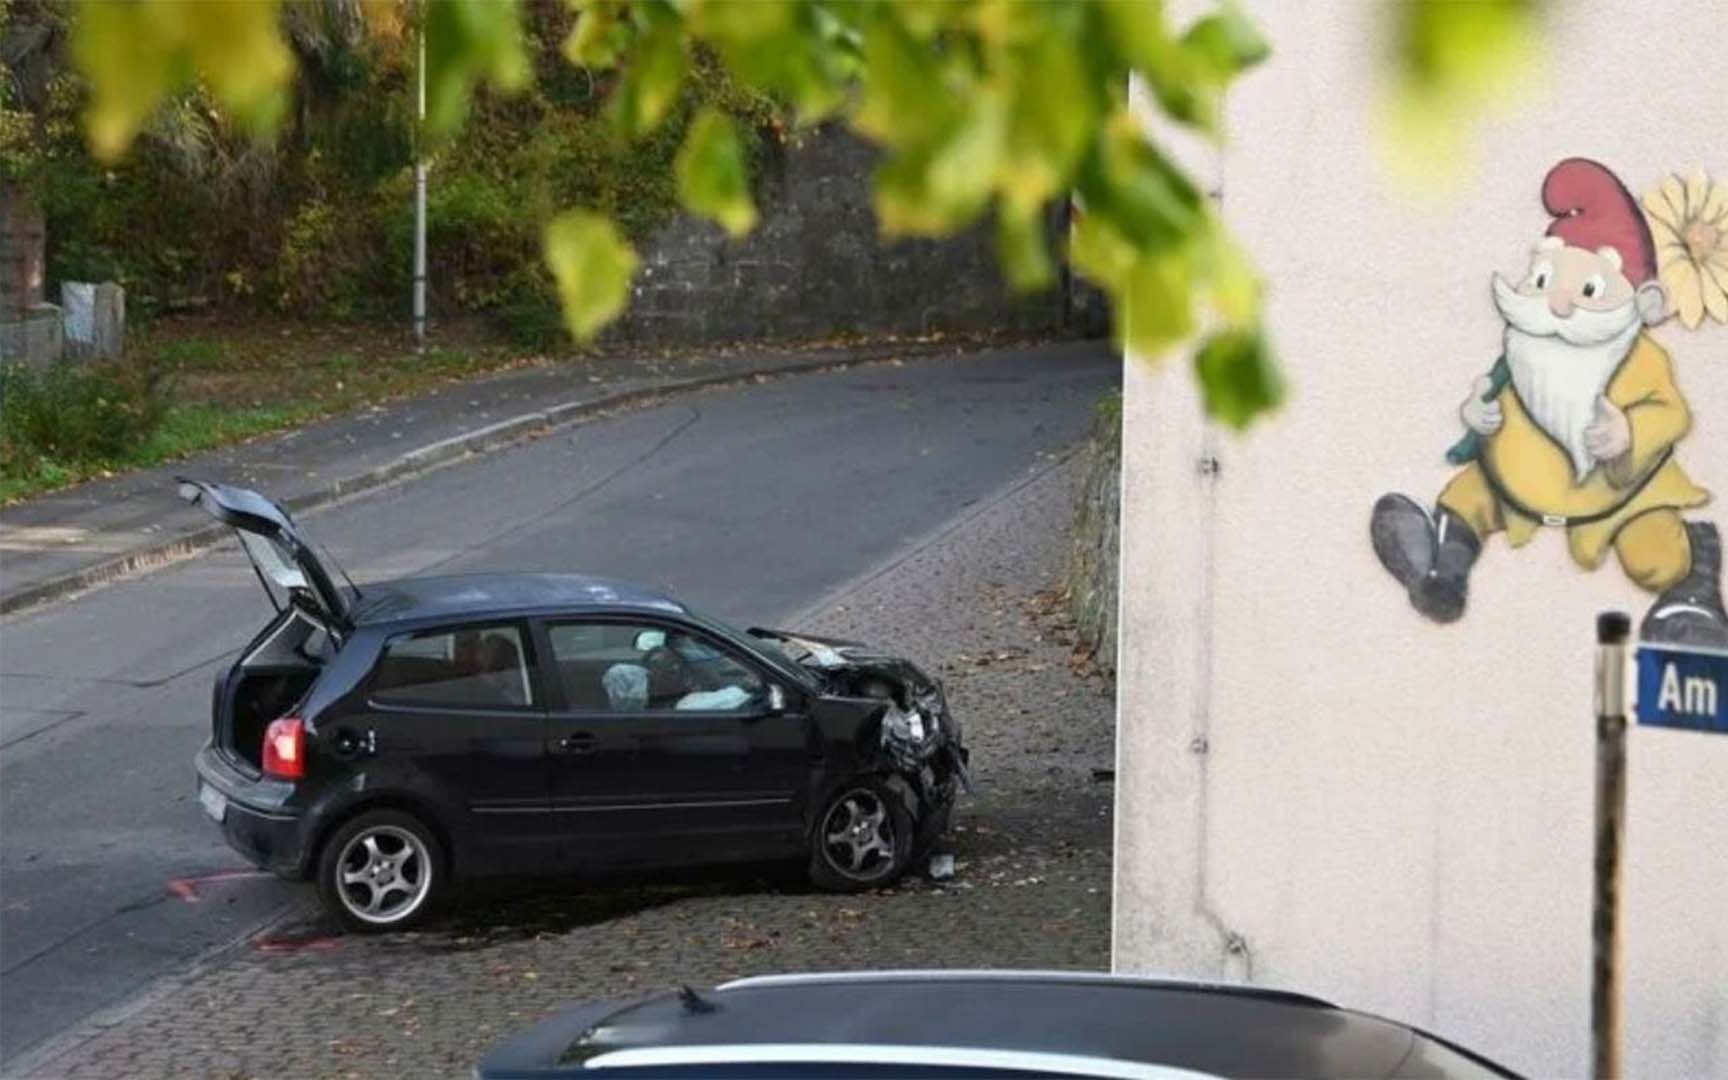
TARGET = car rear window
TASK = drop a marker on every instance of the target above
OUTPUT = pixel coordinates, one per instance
(466, 667)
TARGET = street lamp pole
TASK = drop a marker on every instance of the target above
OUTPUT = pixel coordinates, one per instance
(420, 199)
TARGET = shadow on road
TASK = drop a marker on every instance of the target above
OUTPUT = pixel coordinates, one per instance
(488, 913)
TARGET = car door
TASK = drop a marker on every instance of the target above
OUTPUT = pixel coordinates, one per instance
(665, 746)
(456, 714)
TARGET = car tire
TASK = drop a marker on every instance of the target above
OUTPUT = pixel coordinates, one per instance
(382, 870)
(863, 836)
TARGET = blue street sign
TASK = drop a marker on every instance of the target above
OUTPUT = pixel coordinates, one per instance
(1683, 688)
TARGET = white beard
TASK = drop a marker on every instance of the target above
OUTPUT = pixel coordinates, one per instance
(1560, 367)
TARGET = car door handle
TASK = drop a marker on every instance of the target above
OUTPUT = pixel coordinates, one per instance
(581, 742)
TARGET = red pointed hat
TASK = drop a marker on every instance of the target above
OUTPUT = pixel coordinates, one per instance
(1592, 209)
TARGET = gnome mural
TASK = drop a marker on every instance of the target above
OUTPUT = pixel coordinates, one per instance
(1575, 427)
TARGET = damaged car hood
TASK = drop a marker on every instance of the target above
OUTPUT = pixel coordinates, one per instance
(839, 665)
(915, 720)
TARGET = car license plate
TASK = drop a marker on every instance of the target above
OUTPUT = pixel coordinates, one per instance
(215, 803)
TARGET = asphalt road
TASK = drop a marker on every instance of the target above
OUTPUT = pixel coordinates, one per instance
(750, 503)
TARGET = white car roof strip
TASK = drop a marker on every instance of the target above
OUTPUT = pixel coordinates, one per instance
(1007, 1061)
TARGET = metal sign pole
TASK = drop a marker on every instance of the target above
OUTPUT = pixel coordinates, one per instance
(1612, 630)
(420, 196)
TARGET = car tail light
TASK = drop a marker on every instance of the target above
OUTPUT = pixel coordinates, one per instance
(285, 748)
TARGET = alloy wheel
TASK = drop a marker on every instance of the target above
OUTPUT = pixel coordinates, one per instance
(858, 838)
(384, 874)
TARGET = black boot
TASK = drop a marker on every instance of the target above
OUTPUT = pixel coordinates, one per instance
(1429, 554)
(1690, 612)
(1440, 594)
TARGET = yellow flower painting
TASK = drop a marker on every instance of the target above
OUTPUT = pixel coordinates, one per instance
(1689, 222)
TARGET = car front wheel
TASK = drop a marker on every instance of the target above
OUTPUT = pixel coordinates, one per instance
(863, 837)
(381, 871)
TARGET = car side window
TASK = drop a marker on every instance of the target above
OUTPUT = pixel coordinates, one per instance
(477, 667)
(635, 667)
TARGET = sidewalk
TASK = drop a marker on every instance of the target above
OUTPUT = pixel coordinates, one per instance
(69, 540)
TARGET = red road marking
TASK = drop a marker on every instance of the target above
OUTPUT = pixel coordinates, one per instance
(291, 943)
(186, 888)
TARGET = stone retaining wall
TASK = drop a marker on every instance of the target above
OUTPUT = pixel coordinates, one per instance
(815, 267)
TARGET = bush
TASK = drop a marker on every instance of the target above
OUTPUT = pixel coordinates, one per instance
(535, 323)
(76, 415)
(319, 223)
(326, 264)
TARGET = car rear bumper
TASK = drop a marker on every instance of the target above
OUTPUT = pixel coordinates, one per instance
(255, 818)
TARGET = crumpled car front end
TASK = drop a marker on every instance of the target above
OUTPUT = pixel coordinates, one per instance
(899, 722)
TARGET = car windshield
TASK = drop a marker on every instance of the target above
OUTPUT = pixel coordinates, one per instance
(801, 651)
(784, 660)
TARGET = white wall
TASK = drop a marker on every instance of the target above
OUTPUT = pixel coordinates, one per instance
(1384, 811)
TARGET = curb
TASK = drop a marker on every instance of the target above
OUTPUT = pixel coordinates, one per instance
(426, 458)
(40, 1056)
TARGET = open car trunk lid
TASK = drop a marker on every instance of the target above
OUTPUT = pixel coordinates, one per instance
(282, 557)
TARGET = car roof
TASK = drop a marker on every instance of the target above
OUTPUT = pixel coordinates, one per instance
(464, 595)
(1217, 1030)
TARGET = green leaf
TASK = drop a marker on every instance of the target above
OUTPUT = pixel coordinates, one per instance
(713, 179)
(1141, 37)
(126, 51)
(592, 265)
(1187, 75)
(1231, 286)
(803, 52)
(900, 195)
(933, 191)
(1127, 179)
(600, 36)
(963, 169)
(1453, 63)
(1237, 376)
(1136, 30)
(467, 42)
(1227, 43)
(1462, 49)
(136, 52)
(925, 19)
(1023, 250)
(239, 50)
(1054, 116)
(1100, 252)
(652, 74)
(905, 102)
(1156, 303)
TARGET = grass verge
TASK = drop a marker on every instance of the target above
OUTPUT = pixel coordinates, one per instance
(197, 384)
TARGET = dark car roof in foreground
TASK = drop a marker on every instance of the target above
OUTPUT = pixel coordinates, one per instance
(1125, 1026)
(482, 594)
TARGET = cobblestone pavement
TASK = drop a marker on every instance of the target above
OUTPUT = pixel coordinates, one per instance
(1031, 887)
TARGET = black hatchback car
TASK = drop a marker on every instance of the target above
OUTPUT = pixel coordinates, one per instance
(386, 740)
